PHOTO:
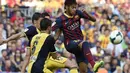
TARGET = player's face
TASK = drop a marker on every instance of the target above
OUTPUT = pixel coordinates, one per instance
(47, 17)
(38, 23)
(49, 29)
(72, 9)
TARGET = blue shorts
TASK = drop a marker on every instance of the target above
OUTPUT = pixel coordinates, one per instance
(73, 47)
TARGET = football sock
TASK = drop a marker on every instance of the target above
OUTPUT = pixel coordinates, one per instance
(73, 70)
(87, 53)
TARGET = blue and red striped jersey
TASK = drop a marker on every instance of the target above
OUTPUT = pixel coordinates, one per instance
(70, 26)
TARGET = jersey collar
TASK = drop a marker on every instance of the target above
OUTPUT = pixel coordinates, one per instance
(38, 31)
(68, 15)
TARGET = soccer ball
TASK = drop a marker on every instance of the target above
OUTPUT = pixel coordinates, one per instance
(116, 37)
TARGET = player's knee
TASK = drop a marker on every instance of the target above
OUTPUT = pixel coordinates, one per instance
(86, 44)
(70, 64)
(73, 66)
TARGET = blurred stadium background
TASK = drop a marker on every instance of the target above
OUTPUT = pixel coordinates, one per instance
(15, 16)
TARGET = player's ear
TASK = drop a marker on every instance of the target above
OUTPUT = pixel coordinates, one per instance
(66, 8)
(49, 28)
(35, 22)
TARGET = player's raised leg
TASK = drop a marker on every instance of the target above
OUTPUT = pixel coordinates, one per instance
(69, 23)
(81, 60)
(72, 66)
(61, 62)
(87, 53)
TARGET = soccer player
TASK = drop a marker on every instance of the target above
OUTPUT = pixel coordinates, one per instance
(64, 59)
(41, 45)
(29, 33)
(69, 24)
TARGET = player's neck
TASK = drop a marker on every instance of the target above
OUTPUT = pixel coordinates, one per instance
(45, 31)
(68, 14)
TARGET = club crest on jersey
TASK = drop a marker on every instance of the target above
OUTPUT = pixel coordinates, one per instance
(73, 26)
(53, 24)
(76, 17)
(25, 30)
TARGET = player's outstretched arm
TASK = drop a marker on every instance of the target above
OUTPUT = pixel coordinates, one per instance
(57, 34)
(55, 28)
(13, 37)
(83, 14)
(26, 61)
(90, 17)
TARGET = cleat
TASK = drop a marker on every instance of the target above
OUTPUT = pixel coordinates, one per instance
(98, 65)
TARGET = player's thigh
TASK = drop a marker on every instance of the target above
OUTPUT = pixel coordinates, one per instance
(71, 63)
(73, 46)
(88, 44)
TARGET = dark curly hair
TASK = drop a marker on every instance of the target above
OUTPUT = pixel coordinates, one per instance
(70, 2)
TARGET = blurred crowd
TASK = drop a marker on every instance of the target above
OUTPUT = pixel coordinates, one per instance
(110, 14)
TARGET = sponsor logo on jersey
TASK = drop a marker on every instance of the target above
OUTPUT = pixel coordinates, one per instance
(73, 26)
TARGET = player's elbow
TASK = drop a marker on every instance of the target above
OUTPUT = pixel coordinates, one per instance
(93, 19)
(27, 56)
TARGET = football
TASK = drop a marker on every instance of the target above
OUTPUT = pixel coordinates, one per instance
(116, 37)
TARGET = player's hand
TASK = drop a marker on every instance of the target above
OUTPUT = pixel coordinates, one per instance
(22, 72)
(17, 66)
(54, 55)
(82, 8)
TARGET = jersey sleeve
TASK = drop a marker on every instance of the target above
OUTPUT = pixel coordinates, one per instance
(57, 24)
(82, 14)
(30, 32)
(50, 41)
